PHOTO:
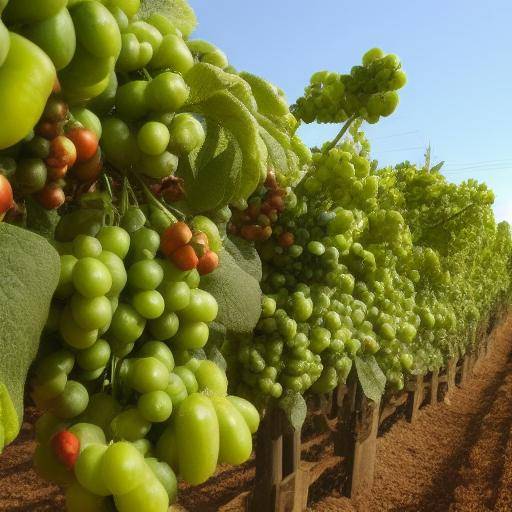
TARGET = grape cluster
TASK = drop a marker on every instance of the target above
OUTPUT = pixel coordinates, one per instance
(334, 284)
(255, 220)
(60, 154)
(122, 355)
(369, 91)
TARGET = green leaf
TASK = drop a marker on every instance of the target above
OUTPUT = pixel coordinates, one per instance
(277, 155)
(267, 96)
(178, 11)
(237, 293)
(212, 177)
(371, 378)
(29, 274)
(205, 80)
(230, 113)
(295, 408)
(245, 255)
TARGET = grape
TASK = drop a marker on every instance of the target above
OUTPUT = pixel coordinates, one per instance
(130, 425)
(145, 275)
(155, 406)
(86, 246)
(149, 304)
(191, 335)
(166, 476)
(90, 314)
(149, 496)
(164, 327)
(153, 138)
(176, 295)
(201, 308)
(123, 468)
(115, 240)
(91, 277)
(148, 374)
(94, 357)
(127, 325)
(117, 271)
(158, 350)
(87, 469)
(71, 402)
(65, 287)
(167, 92)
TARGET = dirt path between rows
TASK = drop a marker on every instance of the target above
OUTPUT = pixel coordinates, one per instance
(457, 457)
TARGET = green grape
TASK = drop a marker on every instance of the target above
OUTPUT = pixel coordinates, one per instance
(91, 277)
(86, 246)
(94, 357)
(123, 468)
(158, 350)
(166, 477)
(130, 425)
(71, 402)
(114, 240)
(88, 469)
(155, 406)
(148, 374)
(90, 314)
(167, 92)
(131, 100)
(117, 271)
(176, 295)
(202, 307)
(153, 138)
(149, 304)
(164, 327)
(145, 275)
(65, 287)
(127, 325)
(191, 335)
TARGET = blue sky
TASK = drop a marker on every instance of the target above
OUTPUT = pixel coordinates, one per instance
(457, 55)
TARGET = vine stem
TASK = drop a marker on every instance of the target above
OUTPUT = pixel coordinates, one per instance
(153, 200)
(342, 132)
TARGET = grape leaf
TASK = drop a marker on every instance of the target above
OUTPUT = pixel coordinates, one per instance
(268, 99)
(205, 80)
(245, 255)
(276, 153)
(371, 378)
(237, 293)
(295, 408)
(230, 113)
(178, 11)
(215, 355)
(29, 274)
(211, 177)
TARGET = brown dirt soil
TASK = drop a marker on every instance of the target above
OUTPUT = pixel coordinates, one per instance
(457, 457)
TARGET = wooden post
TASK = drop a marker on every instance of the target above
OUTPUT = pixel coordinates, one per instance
(465, 370)
(416, 396)
(451, 373)
(358, 440)
(269, 464)
(434, 387)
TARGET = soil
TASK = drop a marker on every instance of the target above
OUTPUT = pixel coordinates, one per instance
(457, 457)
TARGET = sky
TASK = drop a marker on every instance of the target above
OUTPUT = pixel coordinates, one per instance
(457, 55)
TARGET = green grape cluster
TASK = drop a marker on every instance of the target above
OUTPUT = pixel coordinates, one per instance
(334, 284)
(368, 92)
(122, 360)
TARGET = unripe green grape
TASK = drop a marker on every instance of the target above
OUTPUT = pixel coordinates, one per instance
(130, 425)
